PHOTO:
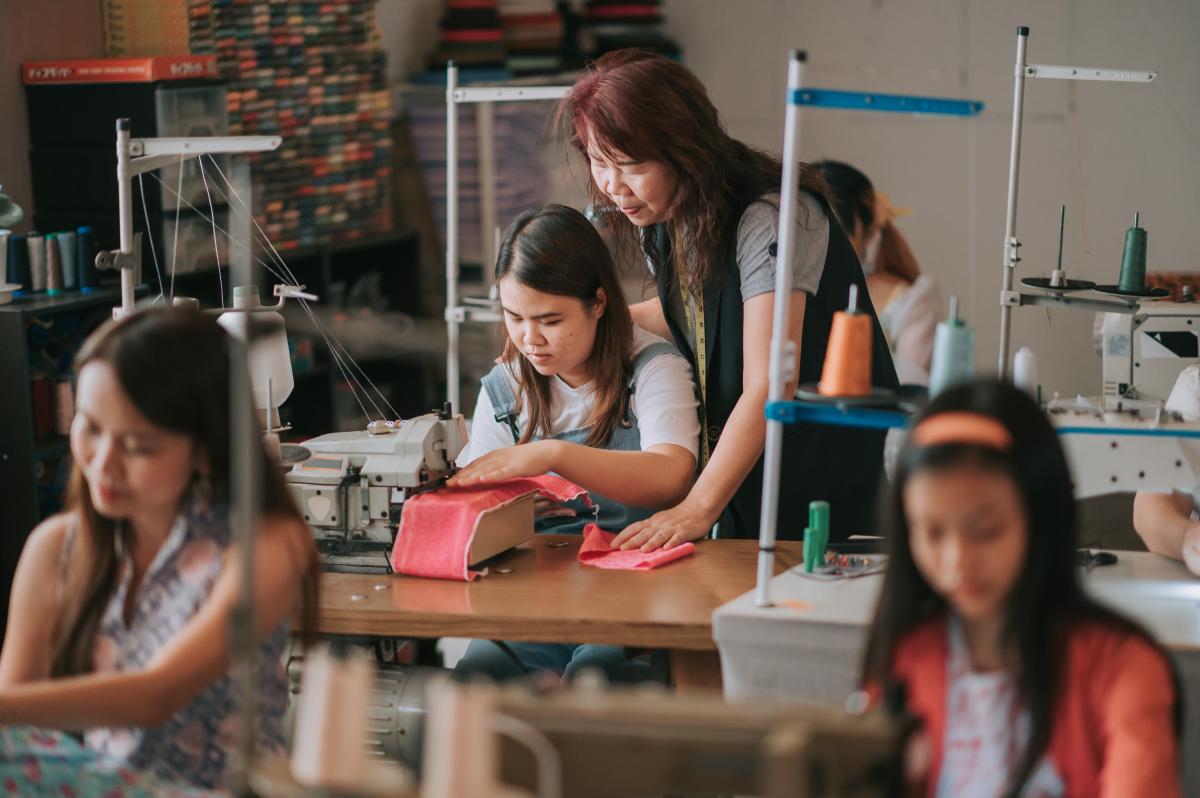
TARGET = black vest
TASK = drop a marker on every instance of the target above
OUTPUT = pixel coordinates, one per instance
(841, 465)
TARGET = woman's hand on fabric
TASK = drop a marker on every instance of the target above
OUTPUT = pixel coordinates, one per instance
(666, 529)
(525, 460)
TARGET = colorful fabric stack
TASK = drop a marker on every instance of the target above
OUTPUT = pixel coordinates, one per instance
(471, 36)
(616, 24)
(313, 74)
(533, 36)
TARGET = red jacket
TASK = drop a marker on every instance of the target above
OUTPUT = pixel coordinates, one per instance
(1113, 735)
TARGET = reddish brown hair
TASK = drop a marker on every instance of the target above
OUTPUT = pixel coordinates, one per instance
(649, 108)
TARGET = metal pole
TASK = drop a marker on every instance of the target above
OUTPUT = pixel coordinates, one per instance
(125, 211)
(245, 495)
(452, 377)
(486, 145)
(1010, 218)
(783, 350)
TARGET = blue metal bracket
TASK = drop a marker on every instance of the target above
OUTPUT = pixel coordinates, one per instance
(796, 412)
(885, 103)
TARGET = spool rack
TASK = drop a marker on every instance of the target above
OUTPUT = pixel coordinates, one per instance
(780, 410)
(1010, 298)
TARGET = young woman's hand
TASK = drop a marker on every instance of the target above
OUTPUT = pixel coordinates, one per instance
(666, 529)
(527, 460)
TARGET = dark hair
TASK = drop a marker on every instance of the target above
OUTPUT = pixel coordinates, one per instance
(173, 364)
(853, 198)
(651, 108)
(1047, 597)
(851, 192)
(556, 250)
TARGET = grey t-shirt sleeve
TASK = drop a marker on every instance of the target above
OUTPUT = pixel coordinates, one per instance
(758, 231)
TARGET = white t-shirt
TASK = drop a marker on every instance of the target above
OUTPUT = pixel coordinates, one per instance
(664, 404)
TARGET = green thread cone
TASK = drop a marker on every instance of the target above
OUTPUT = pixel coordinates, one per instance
(1133, 260)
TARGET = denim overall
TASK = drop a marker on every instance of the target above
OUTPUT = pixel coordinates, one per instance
(485, 656)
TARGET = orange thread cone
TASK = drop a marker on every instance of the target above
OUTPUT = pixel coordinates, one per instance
(847, 370)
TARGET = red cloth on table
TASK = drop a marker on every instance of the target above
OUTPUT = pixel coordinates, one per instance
(595, 551)
(437, 528)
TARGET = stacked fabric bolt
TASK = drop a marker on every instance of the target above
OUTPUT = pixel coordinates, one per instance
(533, 36)
(616, 24)
(313, 74)
(471, 36)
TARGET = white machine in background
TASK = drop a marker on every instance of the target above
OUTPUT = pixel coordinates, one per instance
(1143, 352)
(351, 489)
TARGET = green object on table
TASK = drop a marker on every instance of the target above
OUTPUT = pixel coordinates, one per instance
(1133, 259)
(816, 535)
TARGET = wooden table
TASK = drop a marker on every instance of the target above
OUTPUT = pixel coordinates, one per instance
(539, 592)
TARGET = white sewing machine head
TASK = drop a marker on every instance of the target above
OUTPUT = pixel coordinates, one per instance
(1144, 352)
(351, 489)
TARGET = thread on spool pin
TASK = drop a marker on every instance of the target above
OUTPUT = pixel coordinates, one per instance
(18, 262)
(1133, 258)
(68, 258)
(87, 263)
(1025, 371)
(953, 352)
(36, 245)
(847, 368)
(54, 276)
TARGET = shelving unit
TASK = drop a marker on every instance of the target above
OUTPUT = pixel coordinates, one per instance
(459, 312)
(34, 462)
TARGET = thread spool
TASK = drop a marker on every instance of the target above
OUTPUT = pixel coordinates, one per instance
(54, 276)
(64, 406)
(69, 258)
(847, 369)
(36, 244)
(43, 406)
(953, 352)
(331, 720)
(1025, 371)
(816, 536)
(18, 262)
(1133, 259)
(88, 276)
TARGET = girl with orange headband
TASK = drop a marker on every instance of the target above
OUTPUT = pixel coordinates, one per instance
(1026, 687)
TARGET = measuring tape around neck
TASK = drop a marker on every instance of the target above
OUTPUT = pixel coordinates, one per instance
(693, 310)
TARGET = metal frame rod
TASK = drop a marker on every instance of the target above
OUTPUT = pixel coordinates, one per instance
(1010, 256)
(452, 331)
(125, 213)
(783, 349)
(246, 493)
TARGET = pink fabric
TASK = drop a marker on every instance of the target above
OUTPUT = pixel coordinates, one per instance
(437, 528)
(595, 551)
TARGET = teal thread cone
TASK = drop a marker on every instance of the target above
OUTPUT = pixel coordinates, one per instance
(1133, 259)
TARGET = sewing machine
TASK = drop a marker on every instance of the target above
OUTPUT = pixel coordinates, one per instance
(1143, 351)
(351, 489)
(592, 741)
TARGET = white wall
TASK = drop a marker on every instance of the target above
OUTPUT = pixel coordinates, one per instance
(1102, 149)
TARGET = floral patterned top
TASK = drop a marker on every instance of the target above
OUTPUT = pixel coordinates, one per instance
(194, 745)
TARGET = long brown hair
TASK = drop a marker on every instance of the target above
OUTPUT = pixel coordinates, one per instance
(651, 108)
(173, 364)
(556, 250)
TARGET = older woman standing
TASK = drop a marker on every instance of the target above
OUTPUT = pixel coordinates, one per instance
(704, 208)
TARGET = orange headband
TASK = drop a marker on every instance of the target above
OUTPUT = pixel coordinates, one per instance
(962, 428)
